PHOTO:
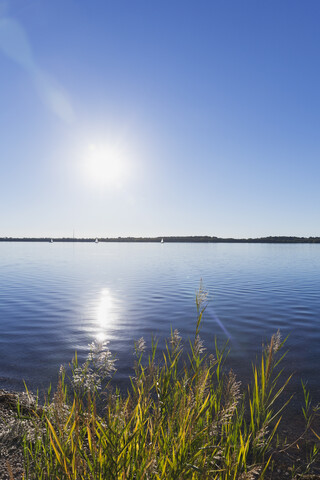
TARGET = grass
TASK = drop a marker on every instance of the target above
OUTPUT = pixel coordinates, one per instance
(183, 417)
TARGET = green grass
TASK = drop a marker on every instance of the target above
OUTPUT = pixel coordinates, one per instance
(180, 419)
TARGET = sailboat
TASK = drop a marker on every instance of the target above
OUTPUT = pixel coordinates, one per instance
(161, 240)
(96, 241)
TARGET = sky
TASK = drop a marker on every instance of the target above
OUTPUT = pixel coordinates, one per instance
(163, 117)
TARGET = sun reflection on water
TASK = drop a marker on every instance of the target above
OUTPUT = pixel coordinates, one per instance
(106, 314)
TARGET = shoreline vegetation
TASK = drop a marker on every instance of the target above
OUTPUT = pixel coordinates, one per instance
(168, 239)
(184, 416)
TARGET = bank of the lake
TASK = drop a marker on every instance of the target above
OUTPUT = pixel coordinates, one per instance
(179, 419)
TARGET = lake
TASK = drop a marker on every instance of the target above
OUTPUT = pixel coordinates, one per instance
(57, 298)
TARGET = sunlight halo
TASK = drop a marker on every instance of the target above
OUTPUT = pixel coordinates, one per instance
(106, 166)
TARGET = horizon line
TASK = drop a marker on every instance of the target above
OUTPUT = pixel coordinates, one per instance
(170, 239)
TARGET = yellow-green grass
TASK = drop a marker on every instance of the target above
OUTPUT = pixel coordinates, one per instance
(183, 417)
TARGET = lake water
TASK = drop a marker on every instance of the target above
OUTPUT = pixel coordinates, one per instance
(57, 298)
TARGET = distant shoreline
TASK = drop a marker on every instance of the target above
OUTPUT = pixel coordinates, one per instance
(168, 239)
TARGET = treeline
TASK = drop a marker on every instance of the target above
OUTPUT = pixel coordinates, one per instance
(171, 239)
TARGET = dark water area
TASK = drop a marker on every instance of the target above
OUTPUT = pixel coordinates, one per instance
(57, 298)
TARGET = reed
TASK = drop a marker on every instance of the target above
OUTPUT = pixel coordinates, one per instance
(183, 417)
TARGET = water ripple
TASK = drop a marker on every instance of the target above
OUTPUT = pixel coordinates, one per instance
(57, 298)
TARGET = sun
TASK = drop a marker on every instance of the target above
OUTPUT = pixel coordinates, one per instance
(105, 166)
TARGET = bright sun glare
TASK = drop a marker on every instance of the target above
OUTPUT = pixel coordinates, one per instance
(107, 312)
(105, 166)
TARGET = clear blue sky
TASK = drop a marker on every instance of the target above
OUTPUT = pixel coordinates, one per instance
(164, 117)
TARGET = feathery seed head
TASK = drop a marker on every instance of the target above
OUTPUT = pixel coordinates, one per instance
(140, 346)
(199, 347)
(175, 339)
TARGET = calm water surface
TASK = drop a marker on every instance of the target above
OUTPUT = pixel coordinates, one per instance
(57, 298)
